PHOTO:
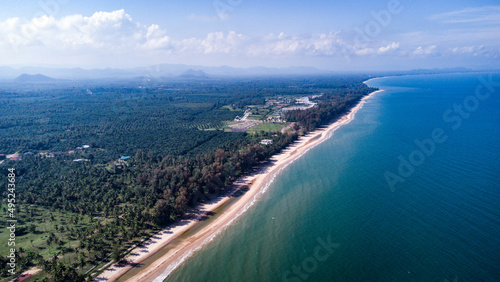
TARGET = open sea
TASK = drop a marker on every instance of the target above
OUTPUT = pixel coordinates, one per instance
(407, 191)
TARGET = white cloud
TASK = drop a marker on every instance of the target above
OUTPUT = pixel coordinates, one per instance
(481, 50)
(425, 51)
(101, 30)
(381, 50)
(107, 37)
(219, 42)
(308, 45)
(156, 38)
(468, 50)
(391, 47)
(269, 45)
(214, 42)
(365, 52)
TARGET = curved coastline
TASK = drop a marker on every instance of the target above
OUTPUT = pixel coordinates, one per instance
(257, 184)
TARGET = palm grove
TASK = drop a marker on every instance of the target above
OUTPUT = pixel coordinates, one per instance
(81, 207)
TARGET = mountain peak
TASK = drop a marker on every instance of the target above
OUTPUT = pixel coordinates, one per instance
(33, 78)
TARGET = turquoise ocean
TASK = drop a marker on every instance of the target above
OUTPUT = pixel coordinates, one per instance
(407, 191)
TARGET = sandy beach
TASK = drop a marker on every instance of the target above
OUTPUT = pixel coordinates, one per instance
(257, 183)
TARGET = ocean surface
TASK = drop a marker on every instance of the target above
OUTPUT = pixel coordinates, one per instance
(407, 191)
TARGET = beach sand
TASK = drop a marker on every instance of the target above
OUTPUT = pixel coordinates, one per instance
(257, 184)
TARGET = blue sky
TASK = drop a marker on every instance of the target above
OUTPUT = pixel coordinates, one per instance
(330, 35)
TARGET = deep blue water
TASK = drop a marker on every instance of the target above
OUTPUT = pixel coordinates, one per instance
(332, 216)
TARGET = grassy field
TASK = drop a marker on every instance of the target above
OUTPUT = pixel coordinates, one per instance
(267, 127)
(35, 224)
(255, 117)
(53, 233)
(48, 233)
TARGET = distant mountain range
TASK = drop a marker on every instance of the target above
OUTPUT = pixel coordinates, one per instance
(436, 71)
(171, 71)
(156, 72)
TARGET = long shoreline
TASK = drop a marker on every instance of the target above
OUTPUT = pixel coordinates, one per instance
(257, 184)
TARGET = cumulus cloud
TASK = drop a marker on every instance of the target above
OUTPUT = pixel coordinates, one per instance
(270, 45)
(425, 51)
(215, 42)
(101, 30)
(377, 51)
(391, 47)
(308, 45)
(365, 52)
(219, 42)
(112, 35)
(116, 32)
(468, 50)
(156, 38)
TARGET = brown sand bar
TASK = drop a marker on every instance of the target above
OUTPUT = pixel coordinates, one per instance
(257, 183)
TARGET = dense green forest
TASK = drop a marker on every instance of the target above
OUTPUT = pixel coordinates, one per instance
(81, 206)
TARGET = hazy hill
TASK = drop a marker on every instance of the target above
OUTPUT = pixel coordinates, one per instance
(194, 74)
(33, 78)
